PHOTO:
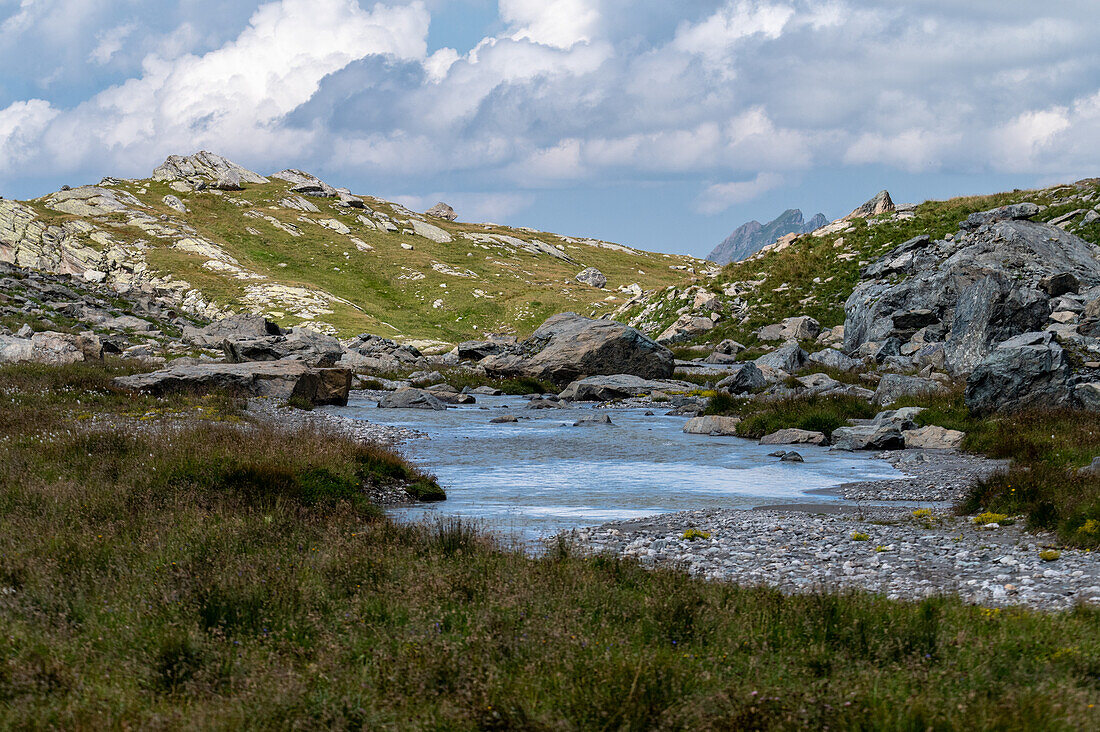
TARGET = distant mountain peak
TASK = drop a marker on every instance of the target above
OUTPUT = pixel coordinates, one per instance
(751, 237)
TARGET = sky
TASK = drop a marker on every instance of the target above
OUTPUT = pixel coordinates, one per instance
(659, 124)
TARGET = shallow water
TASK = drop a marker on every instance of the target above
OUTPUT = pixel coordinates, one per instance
(542, 475)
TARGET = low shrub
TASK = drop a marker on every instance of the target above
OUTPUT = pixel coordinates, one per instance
(816, 413)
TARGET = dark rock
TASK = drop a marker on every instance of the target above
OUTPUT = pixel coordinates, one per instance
(1014, 212)
(868, 437)
(792, 457)
(311, 347)
(1029, 370)
(1060, 284)
(749, 378)
(236, 326)
(504, 419)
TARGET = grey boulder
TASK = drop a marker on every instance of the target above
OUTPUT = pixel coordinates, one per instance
(275, 380)
(570, 346)
(411, 399)
(617, 386)
(592, 277)
(1030, 370)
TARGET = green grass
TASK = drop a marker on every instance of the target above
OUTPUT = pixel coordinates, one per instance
(204, 576)
(390, 291)
(815, 412)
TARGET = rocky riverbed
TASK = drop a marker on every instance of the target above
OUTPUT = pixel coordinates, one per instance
(902, 556)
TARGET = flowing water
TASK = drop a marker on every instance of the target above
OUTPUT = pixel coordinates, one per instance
(542, 475)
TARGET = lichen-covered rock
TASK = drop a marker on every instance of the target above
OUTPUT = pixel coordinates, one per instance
(442, 211)
(205, 166)
(592, 277)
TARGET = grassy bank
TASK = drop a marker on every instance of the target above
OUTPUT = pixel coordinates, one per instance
(209, 576)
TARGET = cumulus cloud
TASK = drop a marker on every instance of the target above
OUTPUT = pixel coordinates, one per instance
(749, 93)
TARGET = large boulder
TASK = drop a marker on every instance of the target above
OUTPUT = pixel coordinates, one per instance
(275, 380)
(933, 437)
(685, 328)
(303, 344)
(831, 358)
(788, 358)
(477, 350)
(618, 386)
(570, 346)
(987, 284)
(800, 328)
(712, 425)
(442, 211)
(234, 327)
(869, 437)
(49, 347)
(880, 204)
(1029, 370)
(893, 387)
(371, 353)
(748, 378)
(792, 436)
(592, 277)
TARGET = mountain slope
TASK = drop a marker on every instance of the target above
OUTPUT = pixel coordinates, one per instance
(753, 236)
(301, 251)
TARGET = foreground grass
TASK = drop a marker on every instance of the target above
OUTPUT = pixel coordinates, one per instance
(226, 577)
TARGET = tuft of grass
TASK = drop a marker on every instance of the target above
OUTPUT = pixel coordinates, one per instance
(693, 534)
(816, 412)
(860, 536)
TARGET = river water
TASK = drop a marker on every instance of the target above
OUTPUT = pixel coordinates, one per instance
(542, 475)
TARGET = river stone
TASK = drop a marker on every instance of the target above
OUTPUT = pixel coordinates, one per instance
(569, 346)
(593, 421)
(504, 419)
(275, 380)
(791, 457)
(794, 437)
(618, 386)
(868, 437)
(712, 425)
(411, 399)
(933, 437)
(487, 391)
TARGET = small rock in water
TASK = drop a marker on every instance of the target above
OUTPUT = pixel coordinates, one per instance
(792, 457)
(777, 453)
(505, 419)
(648, 413)
(588, 421)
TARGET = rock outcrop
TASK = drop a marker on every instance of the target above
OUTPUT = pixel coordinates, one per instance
(880, 204)
(302, 344)
(1030, 370)
(283, 380)
(570, 346)
(442, 211)
(958, 298)
(206, 167)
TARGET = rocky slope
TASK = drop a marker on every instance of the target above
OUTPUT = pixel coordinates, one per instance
(748, 239)
(212, 238)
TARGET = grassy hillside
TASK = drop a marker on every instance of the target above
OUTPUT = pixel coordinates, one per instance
(346, 270)
(815, 275)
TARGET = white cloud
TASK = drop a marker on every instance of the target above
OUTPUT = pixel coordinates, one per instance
(110, 42)
(721, 196)
(21, 126)
(557, 23)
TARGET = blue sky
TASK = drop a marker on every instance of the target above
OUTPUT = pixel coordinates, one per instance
(658, 124)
